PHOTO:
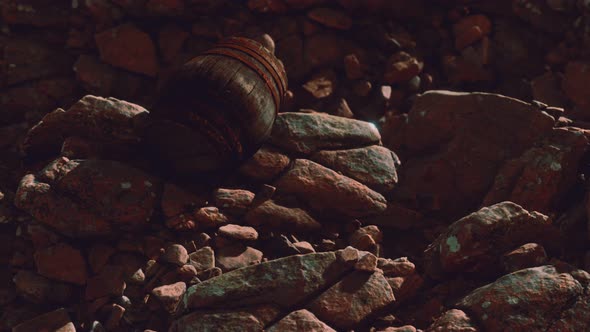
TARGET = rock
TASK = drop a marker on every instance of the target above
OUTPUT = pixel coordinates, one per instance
(366, 238)
(237, 232)
(276, 216)
(576, 73)
(453, 320)
(401, 67)
(541, 177)
(265, 164)
(170, 40)
(236, 256)
(267, 6)
(38, 289)
(269, 282)
(397, 216)
(129, 48)
(399, 267)
(114, 318)
(526, 300)
(208, 217)
(43, 94)
(28, 60)
(99, 255)
(325, 190)
(109, 282)
(61, 262)
(107, 120)
(175, 254)
(304, 247)
(547, 89)
(367, 263)
(96, 77)
(57, 320)
(373, 166)
(170, 295)
(325, 49)
(352, 299)
(108, 195)
(234, 201)
(353, 67)
(300, 320)
(36, 13)
(331, 18)
(237, 320)
(471, 29)
(479, 239)
(472, 134)
(202, 259)
(526, 256)
(322, 84)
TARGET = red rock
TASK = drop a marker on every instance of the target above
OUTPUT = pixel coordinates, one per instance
(236, 256)
(100, 119)
(307, 133)
(480, 132)
(203, 259)
(526, 300)
(273, 215)
(367, 263)
(459, 69)
(170, 295)
(265, 164)
(268, 282)
(453, 320)
(170, 39)
(471, 29)
(547, 89)
(129, 48)
(401, 67)
(61, 262)
(38, 289)
(216, 321)
(99, 255)
(109, 282)
(373, 166)
(267, 6)
(29, 60)
(57, 320)
(210, 216)
(331, 18)
(399, 267)
(576, 75)
(237, 232)
(36, 13)
(304, 247)
(326, 190)
(323, 49)
(115, 316)
(525, 256)
(540, 178)
(96, 77)
(95, 183)
(476, 241)
(166, 7)
(352, 299)
(235, 201)
(175, 254)
(300, 320)
(321, 85)
(353, 67)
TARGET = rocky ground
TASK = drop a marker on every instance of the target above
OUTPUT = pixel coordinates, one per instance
(428, 171)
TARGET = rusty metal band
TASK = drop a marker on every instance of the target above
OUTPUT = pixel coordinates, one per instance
(235, 55)
(262, 60)
(269, 61)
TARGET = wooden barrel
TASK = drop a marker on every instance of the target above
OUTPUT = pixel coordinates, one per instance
(217, 109)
